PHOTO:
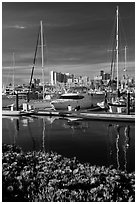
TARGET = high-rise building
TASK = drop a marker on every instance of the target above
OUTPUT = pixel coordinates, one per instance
(52, 77)
(106, 76)
(37, 81)
(57, 77)
(102, 74)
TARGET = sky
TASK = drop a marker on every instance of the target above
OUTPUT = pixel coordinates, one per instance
(78, 38)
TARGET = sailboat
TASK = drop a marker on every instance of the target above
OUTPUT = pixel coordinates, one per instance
(42, 104)
(119, 104)
(3, 90)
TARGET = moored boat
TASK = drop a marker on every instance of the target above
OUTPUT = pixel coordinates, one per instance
(119, 103)
(73, 100)
(118, 106)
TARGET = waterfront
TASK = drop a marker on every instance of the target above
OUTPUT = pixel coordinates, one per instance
(96, 142)
(78, 156)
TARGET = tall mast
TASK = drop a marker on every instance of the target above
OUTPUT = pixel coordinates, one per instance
(125, 67)
(117, 46)
(42, 59)
(13, 83)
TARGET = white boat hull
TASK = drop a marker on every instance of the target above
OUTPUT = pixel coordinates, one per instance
(62, 104)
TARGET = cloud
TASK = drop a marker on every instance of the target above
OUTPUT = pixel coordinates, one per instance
(14, 27)
(76, 35)
(19, 27)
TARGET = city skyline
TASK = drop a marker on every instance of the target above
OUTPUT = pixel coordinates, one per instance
(77, 37)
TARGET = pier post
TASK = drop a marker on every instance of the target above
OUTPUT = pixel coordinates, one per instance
(118, 93)
(128, 103)
(27, 97)
(17, 104)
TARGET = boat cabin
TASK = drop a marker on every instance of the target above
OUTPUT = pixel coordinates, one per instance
(74, 97)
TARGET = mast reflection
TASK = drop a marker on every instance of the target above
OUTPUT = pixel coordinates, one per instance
(119, 140)
(16, 128)
(126, 144)
(117, 145)
(46, 120)
(43, 135)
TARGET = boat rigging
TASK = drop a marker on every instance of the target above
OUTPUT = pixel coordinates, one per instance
(40, 36)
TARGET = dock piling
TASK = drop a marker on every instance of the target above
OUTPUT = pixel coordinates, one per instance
(17, 102)
(128, 103)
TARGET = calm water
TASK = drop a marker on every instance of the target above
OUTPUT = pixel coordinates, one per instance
(100, 143)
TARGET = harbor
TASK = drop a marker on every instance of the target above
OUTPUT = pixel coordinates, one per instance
(108, 150)
(68, 111)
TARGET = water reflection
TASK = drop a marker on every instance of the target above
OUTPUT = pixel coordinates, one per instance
(48, 120)
(97, 142)
(119, 136)
(17, 122)
(117, 145)
(126, 144)
(76, 124)
(28, 121)
(43, 135)
(16, 126)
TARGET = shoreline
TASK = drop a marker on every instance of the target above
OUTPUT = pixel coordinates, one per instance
(47, 176)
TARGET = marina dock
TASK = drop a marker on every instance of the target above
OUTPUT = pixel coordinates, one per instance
(90, 116)
(74, 114)
(107, 116)
(15, 113)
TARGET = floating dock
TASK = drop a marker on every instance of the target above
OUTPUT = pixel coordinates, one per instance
(47, 112)
(73, 114)
(108, 116)
(88, 115)
(15, 113)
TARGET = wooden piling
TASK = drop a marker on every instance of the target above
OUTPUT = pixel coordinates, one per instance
(17, 102)
(27, 97)
(128, 103)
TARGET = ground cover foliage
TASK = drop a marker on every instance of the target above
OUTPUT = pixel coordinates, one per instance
(47, 176)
